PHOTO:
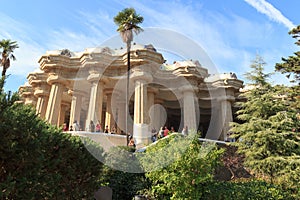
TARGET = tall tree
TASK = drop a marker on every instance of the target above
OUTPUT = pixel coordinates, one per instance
(7, 48)
(267, 134)
(291, 66)
(128, 22)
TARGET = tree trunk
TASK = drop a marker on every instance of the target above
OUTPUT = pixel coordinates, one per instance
(127, 95)
(3, 71)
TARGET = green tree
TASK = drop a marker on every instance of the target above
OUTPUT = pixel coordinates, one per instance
(267, 134)
(291, 66)
(7, 48)
(128, 22)
(182, 177)
(38, 161)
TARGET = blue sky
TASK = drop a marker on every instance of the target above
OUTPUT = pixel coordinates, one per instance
(231, 32)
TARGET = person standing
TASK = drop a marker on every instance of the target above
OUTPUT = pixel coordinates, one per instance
(65, 127)
(75, 126)
(98, 126)
(92, 126)
(161, 132)
(172, 130)
(113, 130)
(166, 131)
(185, 131)
(106, 129)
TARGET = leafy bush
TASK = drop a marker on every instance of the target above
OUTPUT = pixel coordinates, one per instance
(119, 174)
(254, 189)
(190, 164)
(37, 161)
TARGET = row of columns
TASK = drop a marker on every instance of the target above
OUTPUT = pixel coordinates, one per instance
(148, 111)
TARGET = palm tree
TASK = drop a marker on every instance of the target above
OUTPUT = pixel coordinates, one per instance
(127, 21)
(8, 48)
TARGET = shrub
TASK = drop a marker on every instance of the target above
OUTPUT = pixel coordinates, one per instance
(38, 161)
(254, 189)
(119, 174)
(182, 177)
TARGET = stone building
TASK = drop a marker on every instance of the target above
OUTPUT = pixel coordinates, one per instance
(91, 86)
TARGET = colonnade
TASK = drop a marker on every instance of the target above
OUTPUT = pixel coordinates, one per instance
(149, 112)
(101, 100)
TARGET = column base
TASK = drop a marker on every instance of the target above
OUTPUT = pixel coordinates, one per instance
(141, 135)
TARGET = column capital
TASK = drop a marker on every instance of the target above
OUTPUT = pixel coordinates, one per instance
(41, 93)
(77, 93)
(55, 78)
(94, 77)
(141, 76)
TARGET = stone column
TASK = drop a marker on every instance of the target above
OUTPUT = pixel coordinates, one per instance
(140, 102)
(41, 105)
(96, 100)
(121, 115)
(150, 108)
(141, 131)
(54, 102)
(226, 114)
(38, 81)
(76, 104)
(109, 119)
(189, 108)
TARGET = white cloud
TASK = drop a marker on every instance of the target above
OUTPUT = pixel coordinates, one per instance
(268, 9)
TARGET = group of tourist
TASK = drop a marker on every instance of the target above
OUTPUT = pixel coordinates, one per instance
(91, 128)
(94, 128)
(164, 131)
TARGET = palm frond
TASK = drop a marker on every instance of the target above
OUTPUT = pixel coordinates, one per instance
(127, 21)
(7, 47)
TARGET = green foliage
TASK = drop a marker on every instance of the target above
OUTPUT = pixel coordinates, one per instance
(7, 48)
(254, 189)
(186, 164)
(38, 161)
(291, 65)
(127, 21)
(267, 134)
(257, 77)
(128, 16)
(118, 173)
